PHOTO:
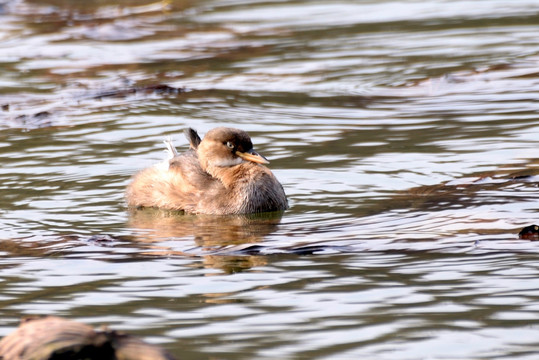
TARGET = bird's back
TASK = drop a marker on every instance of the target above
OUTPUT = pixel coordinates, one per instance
(174, 185)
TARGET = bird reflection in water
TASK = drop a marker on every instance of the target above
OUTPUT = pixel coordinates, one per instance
(222, 241)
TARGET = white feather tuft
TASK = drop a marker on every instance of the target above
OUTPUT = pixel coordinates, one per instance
(170, 149)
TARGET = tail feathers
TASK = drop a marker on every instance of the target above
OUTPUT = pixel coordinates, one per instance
(193, 138)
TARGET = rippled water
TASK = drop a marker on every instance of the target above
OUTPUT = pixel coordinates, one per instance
(405, 135)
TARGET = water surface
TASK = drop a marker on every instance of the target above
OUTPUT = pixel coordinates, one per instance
(405, 135)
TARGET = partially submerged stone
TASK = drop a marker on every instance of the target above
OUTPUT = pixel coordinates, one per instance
(529, 233)
(54, 338)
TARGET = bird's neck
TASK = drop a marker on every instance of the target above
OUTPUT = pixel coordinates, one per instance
(232, 176)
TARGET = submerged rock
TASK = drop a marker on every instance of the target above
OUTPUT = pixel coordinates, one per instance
(54, 338)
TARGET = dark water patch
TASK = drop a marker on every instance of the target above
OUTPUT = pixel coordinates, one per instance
(469, 192)
(160, 89)
(67, 103)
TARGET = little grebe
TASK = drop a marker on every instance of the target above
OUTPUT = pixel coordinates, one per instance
(219, 175)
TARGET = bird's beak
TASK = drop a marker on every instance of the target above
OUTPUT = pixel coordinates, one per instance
(253, 156)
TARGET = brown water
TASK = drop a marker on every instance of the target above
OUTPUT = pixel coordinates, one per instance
(405, 135)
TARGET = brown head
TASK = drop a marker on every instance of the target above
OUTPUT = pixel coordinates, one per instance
(226, 147)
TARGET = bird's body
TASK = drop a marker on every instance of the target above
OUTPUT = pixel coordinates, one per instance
(219, 175)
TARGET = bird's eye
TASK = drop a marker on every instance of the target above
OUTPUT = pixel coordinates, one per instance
(230, 145)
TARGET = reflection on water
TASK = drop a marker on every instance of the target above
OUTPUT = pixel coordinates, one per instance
(204, 235)
(404, 133)
(208, 231)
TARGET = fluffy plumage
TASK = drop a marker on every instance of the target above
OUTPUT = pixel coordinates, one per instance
(220, 175)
